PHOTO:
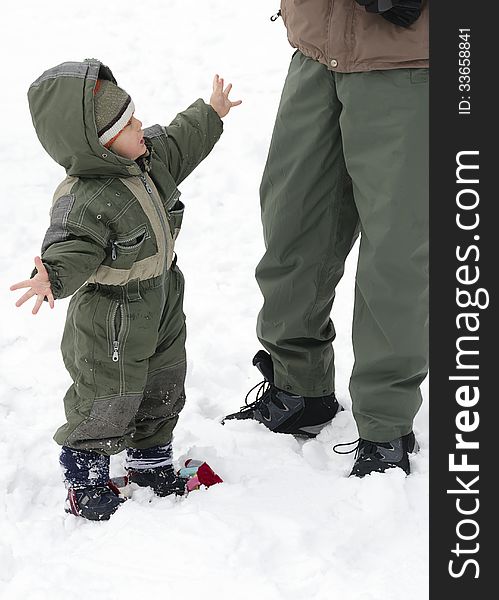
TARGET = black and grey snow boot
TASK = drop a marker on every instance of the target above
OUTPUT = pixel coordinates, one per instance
(377, 457)
(153, 467)
(90, 493)
(162, 480)
(95, 503)
(283, 412)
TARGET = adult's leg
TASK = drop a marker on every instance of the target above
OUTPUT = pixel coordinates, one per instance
(309, 224)
(384, 124)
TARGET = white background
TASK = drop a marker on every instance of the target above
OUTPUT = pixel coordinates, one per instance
(287, 523)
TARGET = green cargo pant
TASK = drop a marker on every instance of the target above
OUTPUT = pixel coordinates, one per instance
(124, 347)
(349, 154)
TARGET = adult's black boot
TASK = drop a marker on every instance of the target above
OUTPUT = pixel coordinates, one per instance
(378, 457)
(284, 412)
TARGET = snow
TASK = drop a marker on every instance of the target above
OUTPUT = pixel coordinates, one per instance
(287, 523)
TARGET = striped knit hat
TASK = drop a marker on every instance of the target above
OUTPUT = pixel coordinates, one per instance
(113, 110)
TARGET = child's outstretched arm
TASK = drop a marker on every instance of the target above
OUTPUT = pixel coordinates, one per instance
(220, 97)
(190, 137)
(39, 286)
(71, 252)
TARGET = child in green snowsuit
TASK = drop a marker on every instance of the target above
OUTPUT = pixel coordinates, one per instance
(110, 244)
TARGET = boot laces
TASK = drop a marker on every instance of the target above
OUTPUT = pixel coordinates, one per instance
(369, 449)
(357, 441)
(263, 388)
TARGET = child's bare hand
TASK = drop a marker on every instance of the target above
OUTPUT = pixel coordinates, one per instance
(220, 97)
(39, 286)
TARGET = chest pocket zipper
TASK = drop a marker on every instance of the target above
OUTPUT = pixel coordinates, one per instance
(126, 245)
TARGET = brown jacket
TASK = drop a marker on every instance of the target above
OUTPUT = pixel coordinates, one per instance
(346, 38)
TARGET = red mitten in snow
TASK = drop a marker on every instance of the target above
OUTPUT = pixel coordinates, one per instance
(198, 473)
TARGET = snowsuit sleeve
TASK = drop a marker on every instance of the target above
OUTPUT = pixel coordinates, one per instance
(188, 139)
(71, 251)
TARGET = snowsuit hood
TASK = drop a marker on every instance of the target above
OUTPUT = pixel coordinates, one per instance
(61, 103)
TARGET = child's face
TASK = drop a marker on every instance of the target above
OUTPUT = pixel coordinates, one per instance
(130, 142)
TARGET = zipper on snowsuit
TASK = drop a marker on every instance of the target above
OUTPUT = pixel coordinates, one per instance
(118, 336)
(116, 326)
(115, 244)
(146, 185)
(160, 210)
(276, 16)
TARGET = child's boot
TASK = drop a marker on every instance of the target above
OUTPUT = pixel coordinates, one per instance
(90, 493)
(153, 467)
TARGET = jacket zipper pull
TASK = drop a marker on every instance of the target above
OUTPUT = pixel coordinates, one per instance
(116, 355)
(276, 16)
(114, 255)
(147, 186)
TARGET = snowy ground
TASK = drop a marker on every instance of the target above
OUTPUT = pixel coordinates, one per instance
(287, 523)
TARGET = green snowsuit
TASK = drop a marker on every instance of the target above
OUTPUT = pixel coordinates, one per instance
(111, 244)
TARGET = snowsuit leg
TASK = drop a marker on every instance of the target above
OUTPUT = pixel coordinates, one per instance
(333, 130)
(117, 345)
(164, 393)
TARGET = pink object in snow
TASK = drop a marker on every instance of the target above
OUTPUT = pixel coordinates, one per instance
(192, 483)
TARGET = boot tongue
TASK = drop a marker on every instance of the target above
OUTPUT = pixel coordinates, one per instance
(371, 448)
(263, 362)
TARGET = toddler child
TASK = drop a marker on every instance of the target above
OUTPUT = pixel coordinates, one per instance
(110, 244)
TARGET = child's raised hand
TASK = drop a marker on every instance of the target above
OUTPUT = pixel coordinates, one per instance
(220, 97)
(39, 286)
